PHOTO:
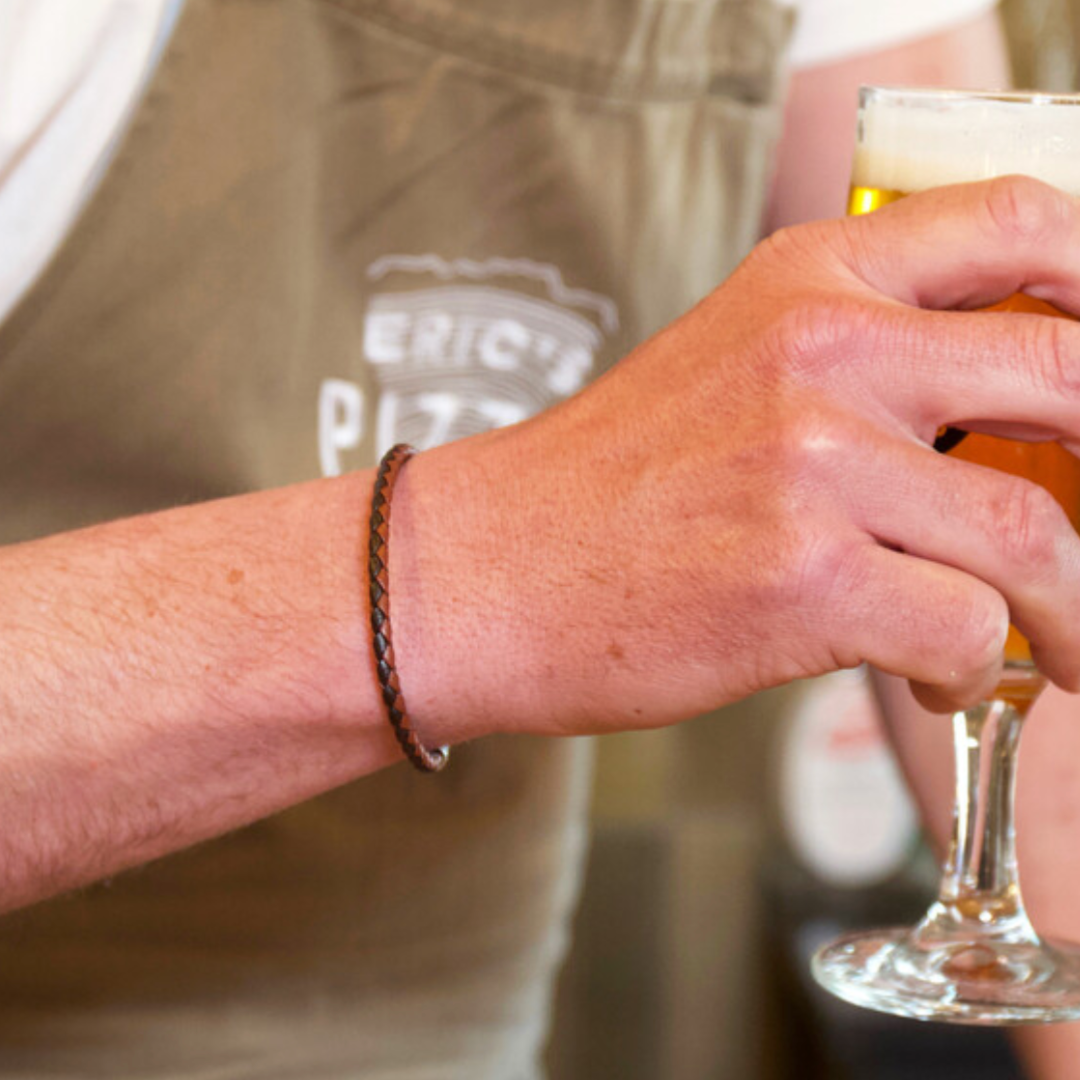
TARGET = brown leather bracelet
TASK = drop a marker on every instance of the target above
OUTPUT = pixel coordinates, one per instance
(381, 636)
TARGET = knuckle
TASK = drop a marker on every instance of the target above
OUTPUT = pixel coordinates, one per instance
(798, 253)
(824, 321)
(1055, 352)
(1028, 523)
(982, 630)
(822, 569)
(822, 334)
(967, 639)
(791, 244)
(1022, 210)
(774, 253)
(808, 450)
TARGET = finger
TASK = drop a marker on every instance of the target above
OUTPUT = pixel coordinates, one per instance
(932, 624)
(938, 700)
(1010, 373)
(971, 245)
(1008, 532)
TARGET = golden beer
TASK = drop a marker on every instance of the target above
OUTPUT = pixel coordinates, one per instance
(876, 173)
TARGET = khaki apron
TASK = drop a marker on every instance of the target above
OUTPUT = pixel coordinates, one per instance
(332, 224)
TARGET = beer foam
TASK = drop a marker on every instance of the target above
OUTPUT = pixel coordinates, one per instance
(912, 142)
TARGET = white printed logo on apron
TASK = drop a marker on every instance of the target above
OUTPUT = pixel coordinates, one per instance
(458, 347)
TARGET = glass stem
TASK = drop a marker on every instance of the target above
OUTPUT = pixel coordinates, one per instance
(979, 887)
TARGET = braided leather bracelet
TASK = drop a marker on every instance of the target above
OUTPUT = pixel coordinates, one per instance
(382, 639)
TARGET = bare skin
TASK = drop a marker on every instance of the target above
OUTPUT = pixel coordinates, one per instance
(200, 669)
(169, 678)
(751, 484)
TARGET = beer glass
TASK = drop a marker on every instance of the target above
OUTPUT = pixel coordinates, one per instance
(975, 957)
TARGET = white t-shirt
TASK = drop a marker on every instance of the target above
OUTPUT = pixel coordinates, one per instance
(71, 71)
(829, 30)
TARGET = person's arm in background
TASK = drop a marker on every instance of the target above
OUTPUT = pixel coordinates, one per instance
(814, 158)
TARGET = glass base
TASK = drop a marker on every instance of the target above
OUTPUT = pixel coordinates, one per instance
(995, 982)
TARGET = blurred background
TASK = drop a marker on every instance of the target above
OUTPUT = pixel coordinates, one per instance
(726, 849)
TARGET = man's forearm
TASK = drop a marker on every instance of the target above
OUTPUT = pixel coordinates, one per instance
(167, 678)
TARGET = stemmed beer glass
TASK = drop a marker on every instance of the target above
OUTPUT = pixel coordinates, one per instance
(975, 957)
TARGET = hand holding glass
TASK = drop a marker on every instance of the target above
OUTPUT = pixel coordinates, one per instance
(975, 957)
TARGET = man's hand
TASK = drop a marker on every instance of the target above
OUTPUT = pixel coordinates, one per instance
(751, 496)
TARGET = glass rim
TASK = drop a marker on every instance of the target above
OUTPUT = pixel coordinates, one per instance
(931, 95)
